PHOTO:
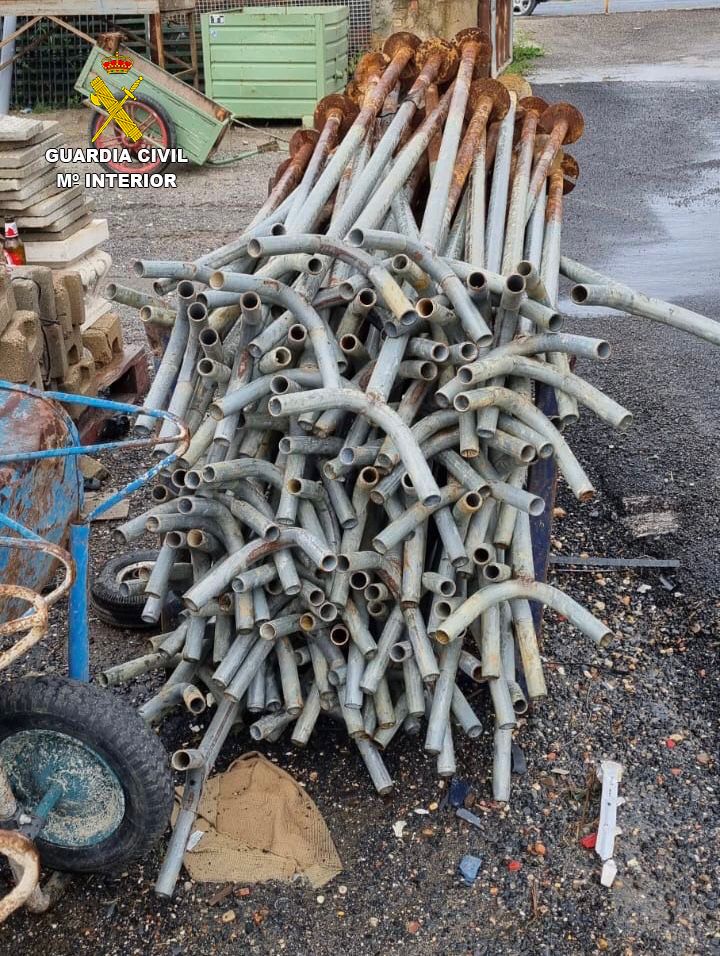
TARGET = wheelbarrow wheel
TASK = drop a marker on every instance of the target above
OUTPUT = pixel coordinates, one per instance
(156, 126)
(124, 610)
(116, 783)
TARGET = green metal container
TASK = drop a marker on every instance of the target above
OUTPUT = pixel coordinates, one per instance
(275, 62)
(199, 123)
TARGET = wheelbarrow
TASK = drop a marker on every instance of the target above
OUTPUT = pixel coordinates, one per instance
(85, 784)
(168, 113)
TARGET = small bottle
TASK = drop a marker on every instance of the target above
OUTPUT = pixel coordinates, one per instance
(13, 246)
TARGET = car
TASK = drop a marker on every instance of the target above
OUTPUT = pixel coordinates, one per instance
(525, 8)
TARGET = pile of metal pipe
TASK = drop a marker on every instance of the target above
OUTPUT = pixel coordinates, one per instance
(369, 374)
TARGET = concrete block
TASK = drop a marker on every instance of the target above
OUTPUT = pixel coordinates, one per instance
(69, 302)
(35, 380)
(95, 341)
(110, 325)
(74, 346)
(56, 353)
(80, 380)
(43, 279)
(21, 346)
(8, 306)
(26, 294)
(64, 252)
(92, 268)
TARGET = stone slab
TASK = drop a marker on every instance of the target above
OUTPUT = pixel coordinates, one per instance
(49, 128)
(56, 222)
(12, 179)
(20, 156)
(63, 252)
(29, 187)
(56, 201)
(18, 129)
(64, 232)
(11, 203)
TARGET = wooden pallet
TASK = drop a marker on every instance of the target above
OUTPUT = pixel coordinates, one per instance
(125, 379)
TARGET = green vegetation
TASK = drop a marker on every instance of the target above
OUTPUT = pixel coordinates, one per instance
(525, 51)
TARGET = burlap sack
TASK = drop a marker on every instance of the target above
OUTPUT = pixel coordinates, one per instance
(258, 824)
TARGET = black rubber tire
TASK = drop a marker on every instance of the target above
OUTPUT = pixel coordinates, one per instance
(110, 605)
(115, 731)
(97, 118)
(528, 12)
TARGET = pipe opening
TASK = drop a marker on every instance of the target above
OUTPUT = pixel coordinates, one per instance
(424, 308)
(208, 337)
(185, 289)
(369, 476)
(314, 266)
(462, 402)
(524, 268)
(205, 366)
(197, 312)
(579, 294)
(275, 407)
(359, 580)
(297, 333)
(356, 237)
(327, 612)
(367, 298)
(537, 506)
(476, 281)
(515, 283)
(339, 635)
(254, 249)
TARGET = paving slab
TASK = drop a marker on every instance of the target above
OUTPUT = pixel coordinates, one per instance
(18, 129)
(19, 156)
(12, 179)
(56, 201)
(61, 230)
(16, 189)
(59, 219)
(29, 197)
(63, 252)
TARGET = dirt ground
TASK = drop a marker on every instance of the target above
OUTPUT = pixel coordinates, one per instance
(649, 700)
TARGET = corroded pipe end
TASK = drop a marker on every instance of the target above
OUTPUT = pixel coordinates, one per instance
(301, 138)
(563, 113)
(516, 84)
(400, 41)
(481, 90)
(532, 104)
(369, 69)
(444, 52)
(475, 41)
(339, 105)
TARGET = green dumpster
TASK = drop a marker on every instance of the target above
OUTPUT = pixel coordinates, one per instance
(275, 62)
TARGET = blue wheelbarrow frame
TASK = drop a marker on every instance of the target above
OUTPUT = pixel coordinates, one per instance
(79, 527)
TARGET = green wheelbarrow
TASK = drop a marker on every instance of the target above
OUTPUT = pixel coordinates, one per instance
(144, 99)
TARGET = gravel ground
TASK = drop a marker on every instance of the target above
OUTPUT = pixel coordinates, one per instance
(648, 700)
